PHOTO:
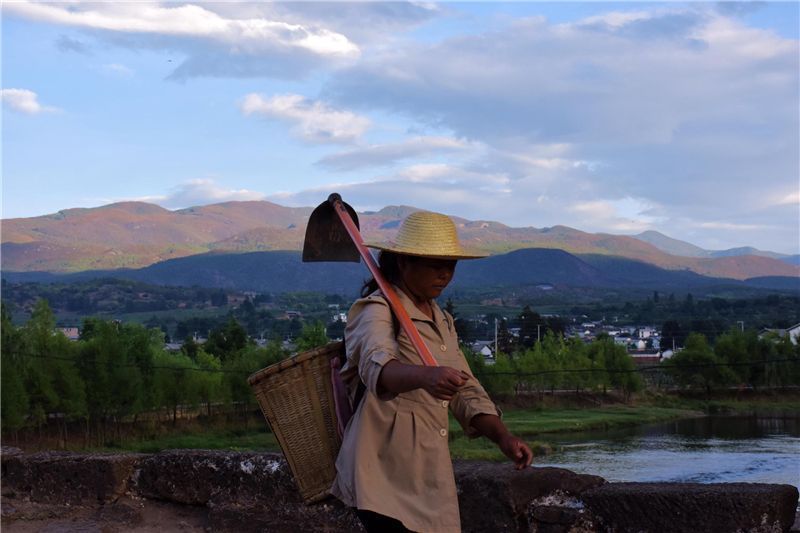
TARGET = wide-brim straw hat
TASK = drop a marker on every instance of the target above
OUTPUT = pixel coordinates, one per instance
(427, 234)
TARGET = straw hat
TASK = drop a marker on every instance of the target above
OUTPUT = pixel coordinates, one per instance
(427, 234)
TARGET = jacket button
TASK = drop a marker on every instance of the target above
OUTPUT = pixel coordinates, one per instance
(445, 403)
(443, 432)
(443, 348)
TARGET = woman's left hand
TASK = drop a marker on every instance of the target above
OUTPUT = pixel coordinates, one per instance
(515, 449)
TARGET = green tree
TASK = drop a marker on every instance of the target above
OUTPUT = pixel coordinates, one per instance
(209, 379)
(312, 336)
(13, 396)
(696, 366)
(224, 342)
(176, 381)
(738, 349)
(117, 366)
(238, 368)
(619, 367)
(500, 377)
(38, 333)
(535, 367)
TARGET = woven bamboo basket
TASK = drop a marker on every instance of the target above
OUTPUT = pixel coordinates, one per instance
(296, 397)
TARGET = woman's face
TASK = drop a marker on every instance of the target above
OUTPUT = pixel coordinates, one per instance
(426, 278)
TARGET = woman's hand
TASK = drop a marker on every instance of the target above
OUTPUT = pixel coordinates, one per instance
(443, 382)
(512, 447)
(515, 449)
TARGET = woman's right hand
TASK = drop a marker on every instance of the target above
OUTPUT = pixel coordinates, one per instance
(443, 382)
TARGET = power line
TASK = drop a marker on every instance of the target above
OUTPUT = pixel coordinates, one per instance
(665, 366)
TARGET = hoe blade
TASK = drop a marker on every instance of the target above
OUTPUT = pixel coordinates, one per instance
(326, 237)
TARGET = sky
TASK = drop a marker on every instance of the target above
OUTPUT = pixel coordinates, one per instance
(682, 118)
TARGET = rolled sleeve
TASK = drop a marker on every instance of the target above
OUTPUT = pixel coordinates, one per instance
(370, 341)
(472, 400)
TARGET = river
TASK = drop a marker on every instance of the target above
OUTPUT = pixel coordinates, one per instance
(713, 449)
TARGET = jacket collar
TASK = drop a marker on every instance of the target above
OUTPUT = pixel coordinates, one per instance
(413, 311)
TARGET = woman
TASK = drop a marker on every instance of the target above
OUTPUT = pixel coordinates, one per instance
(394, 465)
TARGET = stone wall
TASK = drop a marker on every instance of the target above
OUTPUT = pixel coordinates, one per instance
(194, 490)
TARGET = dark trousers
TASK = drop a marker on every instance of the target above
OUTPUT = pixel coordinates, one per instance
(378, 523)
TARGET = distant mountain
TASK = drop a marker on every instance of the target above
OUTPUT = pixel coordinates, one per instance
(133, 235)
(670, 245)
(685, 249)
(283, 271)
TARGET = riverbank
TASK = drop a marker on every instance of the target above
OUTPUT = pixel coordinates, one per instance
(532, 424)
(747, 402)
(539, 422)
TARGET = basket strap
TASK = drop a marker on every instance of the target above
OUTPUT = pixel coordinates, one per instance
(344, 414)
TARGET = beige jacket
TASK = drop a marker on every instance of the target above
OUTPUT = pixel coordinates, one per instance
(395, 458)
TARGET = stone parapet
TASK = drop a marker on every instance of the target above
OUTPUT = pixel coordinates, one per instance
(247, 491)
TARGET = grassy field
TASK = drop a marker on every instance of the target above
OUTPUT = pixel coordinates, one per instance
(724, 403)
(539, 426)
(211, 439)
(531, 424)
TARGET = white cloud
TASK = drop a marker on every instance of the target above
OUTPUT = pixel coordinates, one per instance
(216, 39)
(732, 226)
(200, 192)
(313, 121)
(387, 154)
(791, 199)
(621, 216)
(188, 20)
(689, 111)
(24, 101)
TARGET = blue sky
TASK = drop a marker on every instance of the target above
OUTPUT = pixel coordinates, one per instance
(606, 117)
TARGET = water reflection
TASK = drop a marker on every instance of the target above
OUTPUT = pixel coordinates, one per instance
(704, 450)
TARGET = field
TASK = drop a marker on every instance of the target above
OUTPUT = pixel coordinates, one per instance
(532, 424)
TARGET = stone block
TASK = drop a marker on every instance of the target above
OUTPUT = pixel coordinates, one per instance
(692, 507)
(68, 478)
(199, 477)
(496, 497)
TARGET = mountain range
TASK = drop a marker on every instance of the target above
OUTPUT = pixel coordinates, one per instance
(137, 236)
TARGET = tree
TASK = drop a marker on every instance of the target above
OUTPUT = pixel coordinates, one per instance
(672, 335)
(696, 366)
(176, 383)
(499, 377)
(738, 349)
(38, 333)
(530, 327)
(190, 348)
(619, 368)
(534, 365)
(13, 396)
(621, 371)
(224, 342)
(117, 366)
(209, 379)
(312, 336)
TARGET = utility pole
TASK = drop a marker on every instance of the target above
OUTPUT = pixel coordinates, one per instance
(741, 325)
(538, 333)
(495, 337)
